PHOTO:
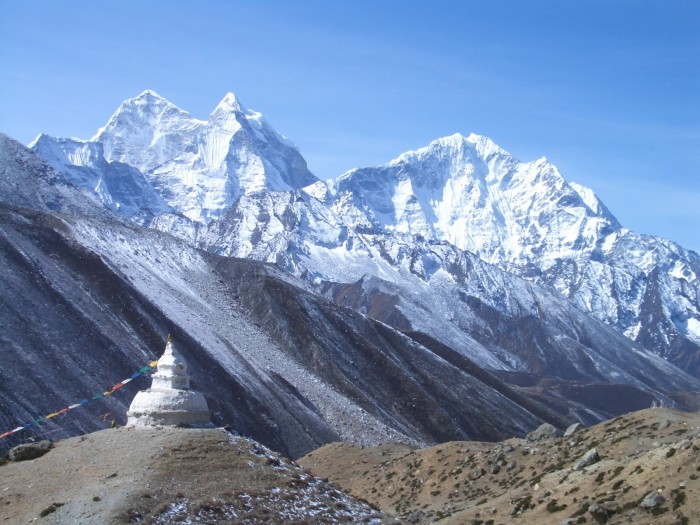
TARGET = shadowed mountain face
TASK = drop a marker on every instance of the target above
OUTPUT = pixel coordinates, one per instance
(275, 361)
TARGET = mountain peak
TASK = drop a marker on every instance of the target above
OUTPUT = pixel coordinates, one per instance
(144, 111)
(147, 99)
(39, 138)
(456, 145)
(148, 94)
(454, 140)
(228, 104)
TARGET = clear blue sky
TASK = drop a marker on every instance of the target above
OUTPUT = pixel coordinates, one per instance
(608, 90)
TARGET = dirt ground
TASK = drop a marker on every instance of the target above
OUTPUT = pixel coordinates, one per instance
(174, 475)
(521, 482)
(166, 476)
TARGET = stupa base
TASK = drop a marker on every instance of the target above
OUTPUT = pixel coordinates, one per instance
(170, 419)
(168, 407)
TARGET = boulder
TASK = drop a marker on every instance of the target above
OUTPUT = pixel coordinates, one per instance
(544, 431)
(652, 500)
(588, 459)
(572, 429)
(598, 513)
(29, 451)
(476, 473)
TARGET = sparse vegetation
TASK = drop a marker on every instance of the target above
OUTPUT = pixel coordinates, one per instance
(546, 470)
(521, 505)
(658, 511)
(541, 487)
(679, 498)
(617, 471)
(553, 506)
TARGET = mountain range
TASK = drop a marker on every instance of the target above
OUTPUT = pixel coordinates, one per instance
(409, 301)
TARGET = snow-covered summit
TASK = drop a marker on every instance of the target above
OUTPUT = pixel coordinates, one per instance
(525, 217)
(455, 144)
(145, 131)
(228, 103)
(472, 193)
(198, 167)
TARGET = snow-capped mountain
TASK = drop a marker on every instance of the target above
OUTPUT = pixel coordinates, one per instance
(430, 287)
(155, 164)
(196, 168)
(232, 185)
(526, 218)
(475, 195)
(120, 187)
(366, 308)
(87, 298)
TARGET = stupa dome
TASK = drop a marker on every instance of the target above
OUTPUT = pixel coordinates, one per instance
(169, 401)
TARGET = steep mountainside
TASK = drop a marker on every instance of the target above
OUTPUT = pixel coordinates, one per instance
(434, 288)
(313, 311)
(121, 188)
(85, 304)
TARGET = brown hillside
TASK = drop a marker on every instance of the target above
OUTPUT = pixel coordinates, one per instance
(523, 482)
(169, 476)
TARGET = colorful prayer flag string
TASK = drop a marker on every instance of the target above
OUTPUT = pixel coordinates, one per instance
(83, 402)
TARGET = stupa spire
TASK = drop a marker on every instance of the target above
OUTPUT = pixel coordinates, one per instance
(169, 401)
(172, 369)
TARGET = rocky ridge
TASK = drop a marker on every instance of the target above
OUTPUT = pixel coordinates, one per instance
(642, 467)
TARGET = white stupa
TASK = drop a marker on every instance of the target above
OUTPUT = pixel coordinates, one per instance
(169, 401)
